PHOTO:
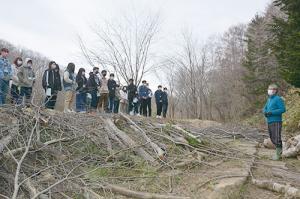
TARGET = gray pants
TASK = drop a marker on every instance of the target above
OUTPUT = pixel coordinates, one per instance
(275, 133)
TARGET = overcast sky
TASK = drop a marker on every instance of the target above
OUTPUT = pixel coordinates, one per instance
(50, 26)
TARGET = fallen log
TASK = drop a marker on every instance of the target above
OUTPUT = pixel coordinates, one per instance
(291, 147)
(140, 195)
(126, 139)
(280, 188)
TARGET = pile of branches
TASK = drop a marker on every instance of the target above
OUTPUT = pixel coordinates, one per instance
(46, 154)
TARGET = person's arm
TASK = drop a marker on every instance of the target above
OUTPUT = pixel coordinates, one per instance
(20, 75)
(281, 107)
(67, 78)
(110, 85)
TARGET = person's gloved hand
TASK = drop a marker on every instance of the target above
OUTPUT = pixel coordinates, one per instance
(268, 114)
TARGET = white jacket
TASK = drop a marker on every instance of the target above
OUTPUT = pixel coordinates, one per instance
(124, 95)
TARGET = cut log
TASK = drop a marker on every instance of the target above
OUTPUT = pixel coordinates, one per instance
(268, 144)
(140, 195)
(292, 147)
(129, 142)
(280, 188)
(12, 134)
(90, 194)
(160, 153)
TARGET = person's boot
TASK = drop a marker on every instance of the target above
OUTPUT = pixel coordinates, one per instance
(278, 153)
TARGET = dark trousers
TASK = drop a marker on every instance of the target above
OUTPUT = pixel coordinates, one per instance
(111, 104)
(95, 99)
(275, 133)
(4, 86)
(50, 101)
(165, 109)
(149, 109)
(159, 106)
(130, 104)
(15, 94)
(80, 102)
(116, 106)
(25, 92)
(144, 107)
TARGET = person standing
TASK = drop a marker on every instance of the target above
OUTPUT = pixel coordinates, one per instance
(93, 85)
(5, 75)
(26, 78)
(158, 99)
(273, 110)
(14, 89)
(132, 92)
(81, 91)
(69, 87)
(123, 100)
(149, 101)
(103, 92)
(52, 84)
(112, 91)
(143, 95)
(165, 102)
(117, 99)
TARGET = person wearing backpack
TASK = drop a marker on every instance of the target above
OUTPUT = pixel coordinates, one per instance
(69, 83)
(51, 83)
(5, 75)
(81, 91)
(26, 76)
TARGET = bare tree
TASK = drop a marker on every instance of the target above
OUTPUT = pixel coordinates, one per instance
(124, 45)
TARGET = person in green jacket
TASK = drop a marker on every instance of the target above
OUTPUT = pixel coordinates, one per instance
(273, 111)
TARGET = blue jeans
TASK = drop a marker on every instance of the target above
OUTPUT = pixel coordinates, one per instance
(165, 109)
(4, 85)
(80, 102)
(116, 106)
(25, 92)
(111, 104)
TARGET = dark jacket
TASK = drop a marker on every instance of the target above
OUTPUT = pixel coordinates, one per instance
(143, 92)
(111, 84)
(131, 90)
(93, 82)
(158, 96)
(81, 84)
(54, 80)
(164, 98)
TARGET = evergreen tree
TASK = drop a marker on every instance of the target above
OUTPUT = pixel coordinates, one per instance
(287, 41)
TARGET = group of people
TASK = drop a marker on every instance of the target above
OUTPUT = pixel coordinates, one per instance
(95, 93)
